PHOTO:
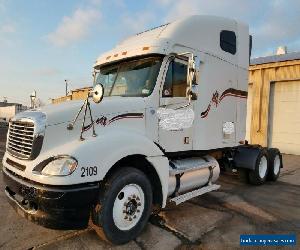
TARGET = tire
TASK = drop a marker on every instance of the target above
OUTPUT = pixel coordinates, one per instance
(259, 175)
(275, 164)
(125, 205)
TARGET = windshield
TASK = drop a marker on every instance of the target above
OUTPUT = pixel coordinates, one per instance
(130, 78)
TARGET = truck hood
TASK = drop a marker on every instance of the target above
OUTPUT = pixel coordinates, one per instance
(66, 112)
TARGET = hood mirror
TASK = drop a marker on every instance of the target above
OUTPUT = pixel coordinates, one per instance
(97, 93)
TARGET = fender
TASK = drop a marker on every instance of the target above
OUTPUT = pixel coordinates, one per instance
(246, 156)
(107, 149)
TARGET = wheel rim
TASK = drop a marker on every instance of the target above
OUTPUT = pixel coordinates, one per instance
(128, 206)
(276, 164)
(263, 165)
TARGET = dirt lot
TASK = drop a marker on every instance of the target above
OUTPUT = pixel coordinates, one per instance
(212, 221)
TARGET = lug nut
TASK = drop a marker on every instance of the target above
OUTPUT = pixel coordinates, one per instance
(139, 204)
(137, 211)
(137, 198)
(130, 219)
(134, 216)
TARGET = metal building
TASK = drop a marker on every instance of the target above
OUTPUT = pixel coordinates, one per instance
(273, 113)
(9, 110)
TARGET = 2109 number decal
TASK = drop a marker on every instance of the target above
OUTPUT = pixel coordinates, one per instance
(88, 171)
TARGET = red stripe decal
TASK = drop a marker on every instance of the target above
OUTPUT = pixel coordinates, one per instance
(104, 122)
(217, 99)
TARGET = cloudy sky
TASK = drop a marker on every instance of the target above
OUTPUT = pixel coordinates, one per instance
(43, 42)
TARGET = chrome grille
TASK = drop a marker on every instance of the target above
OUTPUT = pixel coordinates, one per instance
(20, 138)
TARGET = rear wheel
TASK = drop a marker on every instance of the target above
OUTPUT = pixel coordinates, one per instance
(275, 164)
(125, 205)
(259, 175)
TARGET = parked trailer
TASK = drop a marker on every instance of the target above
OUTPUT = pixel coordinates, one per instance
(173, 115)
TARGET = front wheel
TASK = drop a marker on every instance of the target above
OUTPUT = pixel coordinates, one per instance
(124, 205)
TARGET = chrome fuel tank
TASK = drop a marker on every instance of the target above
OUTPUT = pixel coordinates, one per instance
(191, 173)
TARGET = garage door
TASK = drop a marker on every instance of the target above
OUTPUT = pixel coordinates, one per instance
(249, 111)
(284, 117)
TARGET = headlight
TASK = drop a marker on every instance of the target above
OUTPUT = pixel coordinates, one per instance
(60, 166)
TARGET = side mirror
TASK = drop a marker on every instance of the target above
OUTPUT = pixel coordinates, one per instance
(97, 93)
(192, 81)
(197, 71)
(192, 95)
(192, 70)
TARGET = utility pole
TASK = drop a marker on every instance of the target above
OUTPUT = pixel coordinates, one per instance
(66, 81)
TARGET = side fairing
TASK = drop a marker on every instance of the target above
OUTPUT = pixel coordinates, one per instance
(215, 109)
(220, 111)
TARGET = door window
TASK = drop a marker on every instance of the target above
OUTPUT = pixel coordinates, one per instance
(176, 80)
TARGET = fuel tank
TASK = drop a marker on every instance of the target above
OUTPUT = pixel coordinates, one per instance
(191, 173)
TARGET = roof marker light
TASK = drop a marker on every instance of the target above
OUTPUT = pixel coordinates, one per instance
(124, 53)
(115, 55)
(108, 57)
(146, 48)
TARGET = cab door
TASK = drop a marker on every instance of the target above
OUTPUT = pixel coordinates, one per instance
(175, 114)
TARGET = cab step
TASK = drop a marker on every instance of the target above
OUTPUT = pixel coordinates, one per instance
(187, 196)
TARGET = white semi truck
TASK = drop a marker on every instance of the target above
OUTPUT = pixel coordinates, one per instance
(173, 114)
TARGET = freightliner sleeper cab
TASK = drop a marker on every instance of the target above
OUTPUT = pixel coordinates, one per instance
(168, 114)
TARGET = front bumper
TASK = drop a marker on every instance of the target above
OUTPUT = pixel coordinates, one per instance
(56, 207)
